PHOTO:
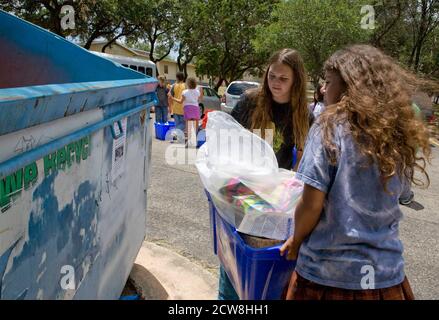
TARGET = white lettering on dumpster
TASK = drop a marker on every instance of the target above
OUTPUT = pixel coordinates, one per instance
(68, 281)
(68, 19)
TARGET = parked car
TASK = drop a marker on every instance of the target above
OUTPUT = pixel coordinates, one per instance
(233, 92)
(211, 100)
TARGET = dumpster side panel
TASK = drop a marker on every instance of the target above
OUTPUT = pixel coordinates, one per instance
(54, 226)
(74, 231)
(22, 141)
(72, 184)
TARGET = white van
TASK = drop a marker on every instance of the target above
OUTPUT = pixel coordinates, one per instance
(140, 65)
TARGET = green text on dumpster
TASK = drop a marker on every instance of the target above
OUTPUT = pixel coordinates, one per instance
(13, 184)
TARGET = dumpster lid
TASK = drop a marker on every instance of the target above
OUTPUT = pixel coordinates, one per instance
(34, 56)
(21, 108)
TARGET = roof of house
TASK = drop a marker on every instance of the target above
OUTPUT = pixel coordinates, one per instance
(138, 52)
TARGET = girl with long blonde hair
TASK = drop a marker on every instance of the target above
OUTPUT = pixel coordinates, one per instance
(280, 105)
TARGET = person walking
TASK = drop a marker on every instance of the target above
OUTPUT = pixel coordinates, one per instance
(190, 99)
(178, 111)
(161, 109)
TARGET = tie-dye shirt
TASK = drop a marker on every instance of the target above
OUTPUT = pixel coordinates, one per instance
(355, 244)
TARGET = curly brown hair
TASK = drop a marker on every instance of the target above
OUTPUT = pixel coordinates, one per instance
(377, 106)
(262, 116)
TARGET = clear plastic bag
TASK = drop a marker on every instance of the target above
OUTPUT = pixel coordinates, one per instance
(240, 171)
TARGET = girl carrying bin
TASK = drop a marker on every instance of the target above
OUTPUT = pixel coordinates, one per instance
(280, 105)
(358, 156)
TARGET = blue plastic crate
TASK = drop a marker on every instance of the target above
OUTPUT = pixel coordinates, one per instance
(162, 128)
(256, 274)
(201, 138)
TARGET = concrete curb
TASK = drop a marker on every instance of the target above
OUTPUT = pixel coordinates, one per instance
(161, 274)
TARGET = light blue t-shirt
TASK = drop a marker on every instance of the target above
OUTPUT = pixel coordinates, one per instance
(357, 234)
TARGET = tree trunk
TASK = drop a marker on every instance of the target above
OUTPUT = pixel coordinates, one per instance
(185, 70)
(109, 43)
(157, 69)
(54, 12)
(89, 42)
(122, 34)
(218, 84)
(417, 56)
(179, 58)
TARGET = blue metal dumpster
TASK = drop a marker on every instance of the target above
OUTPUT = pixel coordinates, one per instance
(75, 148)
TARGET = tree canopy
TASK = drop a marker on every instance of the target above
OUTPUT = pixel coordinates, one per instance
(227, 38)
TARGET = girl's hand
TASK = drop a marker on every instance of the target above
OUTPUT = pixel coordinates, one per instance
(291, 248)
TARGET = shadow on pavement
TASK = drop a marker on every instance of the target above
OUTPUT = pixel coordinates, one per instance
(415, 206)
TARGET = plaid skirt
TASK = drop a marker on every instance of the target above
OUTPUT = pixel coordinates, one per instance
(302, 289)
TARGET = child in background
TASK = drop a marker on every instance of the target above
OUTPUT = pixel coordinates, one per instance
(161, 109)
(357, 157)
(190, 99)
(177, 108)
(317, 106)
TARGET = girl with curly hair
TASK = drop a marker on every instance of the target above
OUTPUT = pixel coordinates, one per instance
(358, 155)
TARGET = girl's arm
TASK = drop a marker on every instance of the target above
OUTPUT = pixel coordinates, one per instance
(178, 100)
(307, 215)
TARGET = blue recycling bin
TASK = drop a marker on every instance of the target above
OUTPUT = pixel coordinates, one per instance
(255, 273)
(75, 150)
(162, 128)
(201, 138)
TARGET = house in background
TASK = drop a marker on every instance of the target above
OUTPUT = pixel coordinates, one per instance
(167, 67)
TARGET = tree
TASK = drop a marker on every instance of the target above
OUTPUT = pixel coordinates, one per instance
(402, 33)
(93, 18)
(389, 15)
(45, 13)
(189, 36)
(429, 64)
(227, 51)
(157, 24)
(316, 28)
(97, 19)
(424, 19)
